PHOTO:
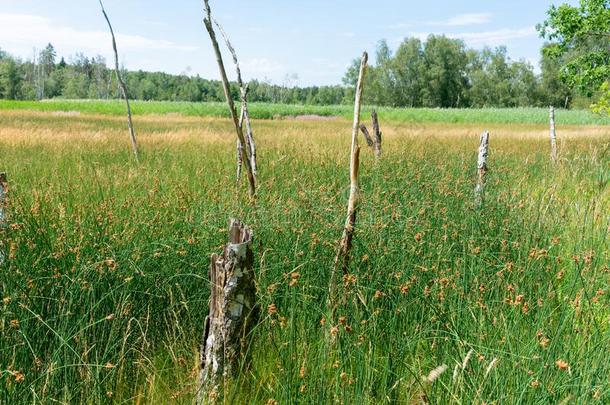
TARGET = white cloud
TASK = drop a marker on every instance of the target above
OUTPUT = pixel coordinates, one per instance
(459, 20)
(469, 19)
(493, 38)
(496, 37)
(21, 32)
(256, 66)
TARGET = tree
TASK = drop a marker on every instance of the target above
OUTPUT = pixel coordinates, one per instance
(409, 67)
(10, 79)
(47, 59)
(581, 37)
(445, 71)
(552, 90)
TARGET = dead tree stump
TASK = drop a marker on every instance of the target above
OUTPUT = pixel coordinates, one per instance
(232, 314)
(373, 141)
(553, 134)
(479, 190)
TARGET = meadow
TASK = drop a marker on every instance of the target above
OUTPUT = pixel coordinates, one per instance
(105, 287)
(275, 111)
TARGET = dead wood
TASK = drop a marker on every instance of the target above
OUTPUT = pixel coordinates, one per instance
(553, 134)
(343, 252)
(373, 141)
(243, 91)
(123, 87)
(227, 91)
(232, 314)
(482, 169)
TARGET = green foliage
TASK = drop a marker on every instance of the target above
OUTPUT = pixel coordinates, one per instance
(273, 111)
(580, 37)
(441, 72)
(603, 105)
(90, 78)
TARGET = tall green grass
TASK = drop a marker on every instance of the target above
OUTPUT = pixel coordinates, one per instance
(270, 111)
(105, 288)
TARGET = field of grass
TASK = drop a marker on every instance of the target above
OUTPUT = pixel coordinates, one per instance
(270, 111)
(105, 288)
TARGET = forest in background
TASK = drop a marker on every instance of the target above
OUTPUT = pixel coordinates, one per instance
(438, 72)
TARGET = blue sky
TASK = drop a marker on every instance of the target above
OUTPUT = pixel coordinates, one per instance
(285, 41)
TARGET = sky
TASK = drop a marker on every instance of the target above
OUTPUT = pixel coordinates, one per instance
(291, 42)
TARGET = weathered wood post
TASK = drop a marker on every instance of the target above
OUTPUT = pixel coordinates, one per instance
(479, 190)
(232, 314)
(342, 257)
(3, 213)
(132, 134)
(553, 134)
(375, 140)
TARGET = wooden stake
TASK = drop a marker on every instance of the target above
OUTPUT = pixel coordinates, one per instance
(227, 90)
(342, 257)
(482, 169)
(132, 134)
(232, 314)
(554, 155)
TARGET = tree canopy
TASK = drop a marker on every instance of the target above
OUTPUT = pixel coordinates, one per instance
(436, 72)
(580, 39)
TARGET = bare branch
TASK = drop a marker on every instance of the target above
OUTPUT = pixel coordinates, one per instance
(366, 134)
(227, 90)
(243, 91)
(132, 134)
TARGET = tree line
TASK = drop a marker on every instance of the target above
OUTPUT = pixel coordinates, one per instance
(89, 78)
(443, 72)
(437, 72)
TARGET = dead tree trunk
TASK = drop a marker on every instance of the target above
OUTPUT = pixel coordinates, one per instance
(479, 190)
(227, 90)
(132, 134)
(3, 214)
(375, 140)
(243, 91)
(343, 252)
(232, 314)
(553, 134)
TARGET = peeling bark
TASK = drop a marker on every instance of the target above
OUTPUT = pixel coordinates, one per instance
(232, 313)
(482, 169)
